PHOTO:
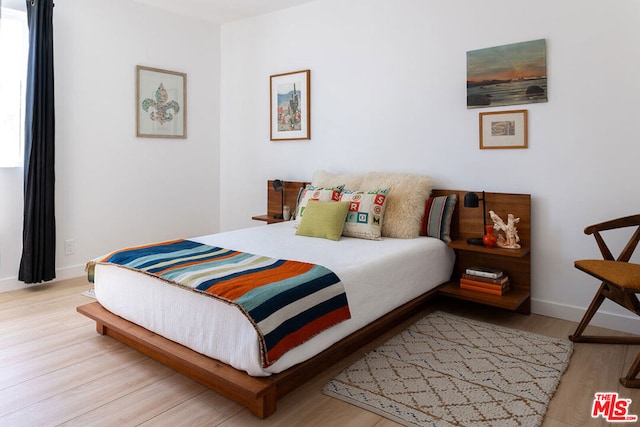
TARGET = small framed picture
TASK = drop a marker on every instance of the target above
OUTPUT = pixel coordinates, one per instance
(290, 109)
(503, 129)
(161, 103)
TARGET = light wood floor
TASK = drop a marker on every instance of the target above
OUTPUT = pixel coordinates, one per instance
(56, 370)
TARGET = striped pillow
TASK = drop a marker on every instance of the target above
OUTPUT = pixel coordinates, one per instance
(437, 217)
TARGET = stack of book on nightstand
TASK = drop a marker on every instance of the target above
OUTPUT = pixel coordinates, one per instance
(485, 280)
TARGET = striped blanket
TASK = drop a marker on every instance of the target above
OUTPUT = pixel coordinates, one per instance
(288, 302)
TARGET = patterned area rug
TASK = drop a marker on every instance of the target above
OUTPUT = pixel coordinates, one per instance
(446, 370)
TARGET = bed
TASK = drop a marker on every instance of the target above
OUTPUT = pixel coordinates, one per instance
(386, 278)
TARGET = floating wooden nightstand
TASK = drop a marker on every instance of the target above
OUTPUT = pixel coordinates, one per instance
(516, 263)
(275, 200)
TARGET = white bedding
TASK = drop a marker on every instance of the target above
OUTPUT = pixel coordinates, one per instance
(378, 276)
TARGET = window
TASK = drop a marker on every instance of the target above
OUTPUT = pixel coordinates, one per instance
(14, 41)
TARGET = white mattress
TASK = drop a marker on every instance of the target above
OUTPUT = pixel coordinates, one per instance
(378, 276)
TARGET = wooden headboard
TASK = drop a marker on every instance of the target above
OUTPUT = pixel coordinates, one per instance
(274, 198)
(467, 222)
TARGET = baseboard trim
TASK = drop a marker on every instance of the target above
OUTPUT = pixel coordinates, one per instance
(603, 318)
(13, 284)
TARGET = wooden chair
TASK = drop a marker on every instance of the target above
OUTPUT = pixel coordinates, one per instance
(620, 284)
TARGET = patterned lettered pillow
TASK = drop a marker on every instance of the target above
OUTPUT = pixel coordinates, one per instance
(366, 211)
(328, 194)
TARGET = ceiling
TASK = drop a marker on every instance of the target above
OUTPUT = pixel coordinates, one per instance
(14, 4)
(217, 11)
(221, 11)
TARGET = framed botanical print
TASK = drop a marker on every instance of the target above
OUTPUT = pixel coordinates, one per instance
(161, 103)
(290, 106)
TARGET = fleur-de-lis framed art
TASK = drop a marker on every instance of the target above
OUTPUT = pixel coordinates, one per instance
(161, 103)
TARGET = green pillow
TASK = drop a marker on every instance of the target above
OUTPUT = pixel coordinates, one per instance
(323, 219)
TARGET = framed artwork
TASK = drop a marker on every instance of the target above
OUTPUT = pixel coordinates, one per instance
(161, 103)
(290, 106)
(507, 75)
(503, 129)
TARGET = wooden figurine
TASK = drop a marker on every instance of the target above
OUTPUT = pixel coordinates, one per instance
(510, 239)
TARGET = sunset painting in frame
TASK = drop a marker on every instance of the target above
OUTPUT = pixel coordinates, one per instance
(507, 75)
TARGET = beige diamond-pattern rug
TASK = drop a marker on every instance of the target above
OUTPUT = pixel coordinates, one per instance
(446, 370)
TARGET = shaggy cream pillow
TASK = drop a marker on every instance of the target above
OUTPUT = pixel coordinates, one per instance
(350, 181)
(405, 202)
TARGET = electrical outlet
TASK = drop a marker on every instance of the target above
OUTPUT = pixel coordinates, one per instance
(69, 247)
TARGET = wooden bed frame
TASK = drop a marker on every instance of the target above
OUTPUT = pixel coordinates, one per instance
(260, 394)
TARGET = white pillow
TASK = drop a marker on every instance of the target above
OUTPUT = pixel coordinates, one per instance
(350, 181)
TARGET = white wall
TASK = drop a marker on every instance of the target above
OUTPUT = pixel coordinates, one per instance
(113, 189)
(388, 93)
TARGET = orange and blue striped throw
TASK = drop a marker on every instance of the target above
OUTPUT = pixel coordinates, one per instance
(288, 302)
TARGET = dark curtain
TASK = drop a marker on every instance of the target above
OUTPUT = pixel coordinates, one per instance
(39, 227)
